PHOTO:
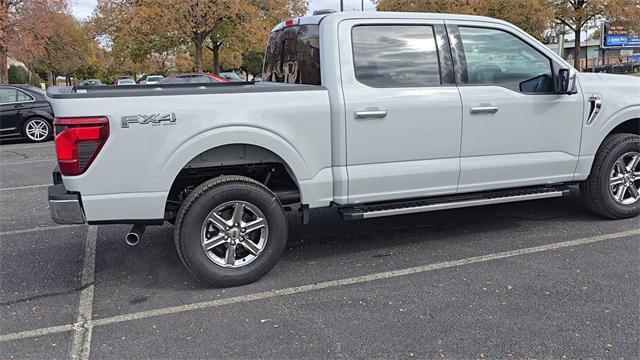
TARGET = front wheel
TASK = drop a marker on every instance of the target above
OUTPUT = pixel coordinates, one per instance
(613, 187)
(230, 231)
(37, 130)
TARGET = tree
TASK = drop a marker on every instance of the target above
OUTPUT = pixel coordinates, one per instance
(579, 15)
(18, 75)
(530, 15)
(24, 28)
(252, 63)
(65, 49)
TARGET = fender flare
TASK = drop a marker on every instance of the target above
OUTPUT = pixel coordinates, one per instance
(622, 115)
(230, 135)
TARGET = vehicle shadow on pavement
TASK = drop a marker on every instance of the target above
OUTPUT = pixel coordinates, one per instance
(154, 263)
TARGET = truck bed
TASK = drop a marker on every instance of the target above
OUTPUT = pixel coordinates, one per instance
(133, 173)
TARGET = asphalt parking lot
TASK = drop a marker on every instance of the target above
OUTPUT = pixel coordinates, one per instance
(543, 279)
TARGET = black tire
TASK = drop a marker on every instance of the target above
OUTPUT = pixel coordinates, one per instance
(595, 190)
(42, 122)
(204, 199)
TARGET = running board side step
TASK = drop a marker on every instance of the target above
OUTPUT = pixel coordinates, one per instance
(451, 202)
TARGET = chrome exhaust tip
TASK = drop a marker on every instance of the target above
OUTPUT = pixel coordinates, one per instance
(133, 236)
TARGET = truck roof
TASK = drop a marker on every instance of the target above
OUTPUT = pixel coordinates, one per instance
(316, 19)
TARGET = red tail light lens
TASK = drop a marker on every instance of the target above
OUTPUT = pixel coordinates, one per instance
(78, 142)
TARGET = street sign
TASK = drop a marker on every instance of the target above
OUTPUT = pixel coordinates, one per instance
(618, 36)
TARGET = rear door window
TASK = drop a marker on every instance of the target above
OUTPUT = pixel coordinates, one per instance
(293, 56)
(395, 56)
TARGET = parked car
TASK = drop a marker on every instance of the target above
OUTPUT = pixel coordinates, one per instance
(194, 78)
(375, 114)
(231, 76)
(25, 113)
(91, 82)
(126, 81)
(153, 79)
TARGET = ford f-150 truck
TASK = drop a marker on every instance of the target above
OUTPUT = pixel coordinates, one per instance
(375, 114)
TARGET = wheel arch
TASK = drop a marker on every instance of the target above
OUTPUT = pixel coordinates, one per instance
(209, 141)
(265, 159)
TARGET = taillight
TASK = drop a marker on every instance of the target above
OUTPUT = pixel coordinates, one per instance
(78, 142)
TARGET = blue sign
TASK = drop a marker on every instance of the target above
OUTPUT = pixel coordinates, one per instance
(619, 36)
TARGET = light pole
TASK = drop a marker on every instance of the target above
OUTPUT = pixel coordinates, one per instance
(341, 5)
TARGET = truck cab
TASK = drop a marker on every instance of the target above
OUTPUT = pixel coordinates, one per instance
(376, 114)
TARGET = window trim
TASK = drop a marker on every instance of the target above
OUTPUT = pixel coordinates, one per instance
(438, 47)
(33, 99)
(461, 68)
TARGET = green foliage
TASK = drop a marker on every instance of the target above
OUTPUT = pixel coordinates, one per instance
(18, 75)
(252, 62)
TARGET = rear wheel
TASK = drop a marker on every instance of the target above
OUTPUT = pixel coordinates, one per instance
(230, 231)
(37, 130)
(613, 187)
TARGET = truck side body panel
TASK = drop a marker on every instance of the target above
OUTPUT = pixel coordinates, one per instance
(133, 173)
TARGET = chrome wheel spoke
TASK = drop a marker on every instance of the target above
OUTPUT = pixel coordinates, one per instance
(249, 245)
(622, 190)
(238, 211)
(634, 191)
(230, 256)
(254, 225)
(615, 181)
(217, 221)
(633, 163)
(215, 241)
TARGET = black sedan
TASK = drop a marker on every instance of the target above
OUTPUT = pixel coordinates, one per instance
(25, 113)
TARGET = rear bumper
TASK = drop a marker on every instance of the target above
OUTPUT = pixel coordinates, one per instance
(65, 207)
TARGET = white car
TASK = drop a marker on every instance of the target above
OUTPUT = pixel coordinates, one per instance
(375, 114)
(126, 82)
(153, 79)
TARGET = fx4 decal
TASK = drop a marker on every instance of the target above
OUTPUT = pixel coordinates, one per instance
(153, 119)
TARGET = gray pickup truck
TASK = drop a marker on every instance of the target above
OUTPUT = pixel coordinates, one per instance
(375, 114)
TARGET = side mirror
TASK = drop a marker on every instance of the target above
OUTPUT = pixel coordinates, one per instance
(565, 82)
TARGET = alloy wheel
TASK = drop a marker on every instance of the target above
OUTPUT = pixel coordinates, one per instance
(234, 234)
(37, 130)
(624, 180)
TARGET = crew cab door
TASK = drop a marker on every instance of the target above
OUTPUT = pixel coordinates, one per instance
(402, 109)
(517, 131)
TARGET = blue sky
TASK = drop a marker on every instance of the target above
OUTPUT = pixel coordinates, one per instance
(83, 8)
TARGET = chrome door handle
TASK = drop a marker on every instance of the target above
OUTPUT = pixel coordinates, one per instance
(484, 110)
(371, 114)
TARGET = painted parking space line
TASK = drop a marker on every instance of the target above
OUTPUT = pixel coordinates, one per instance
(331, 284)
(25, 187)
(42, 228)
(25, 146)
(82, 329)
(36, 333)
(52, 160)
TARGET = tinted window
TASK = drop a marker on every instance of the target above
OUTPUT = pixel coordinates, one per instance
(395, 56)
(495, 57)
(8, 95)
(200, 79)
(23, 97)
(176, 80)
(293, 56)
